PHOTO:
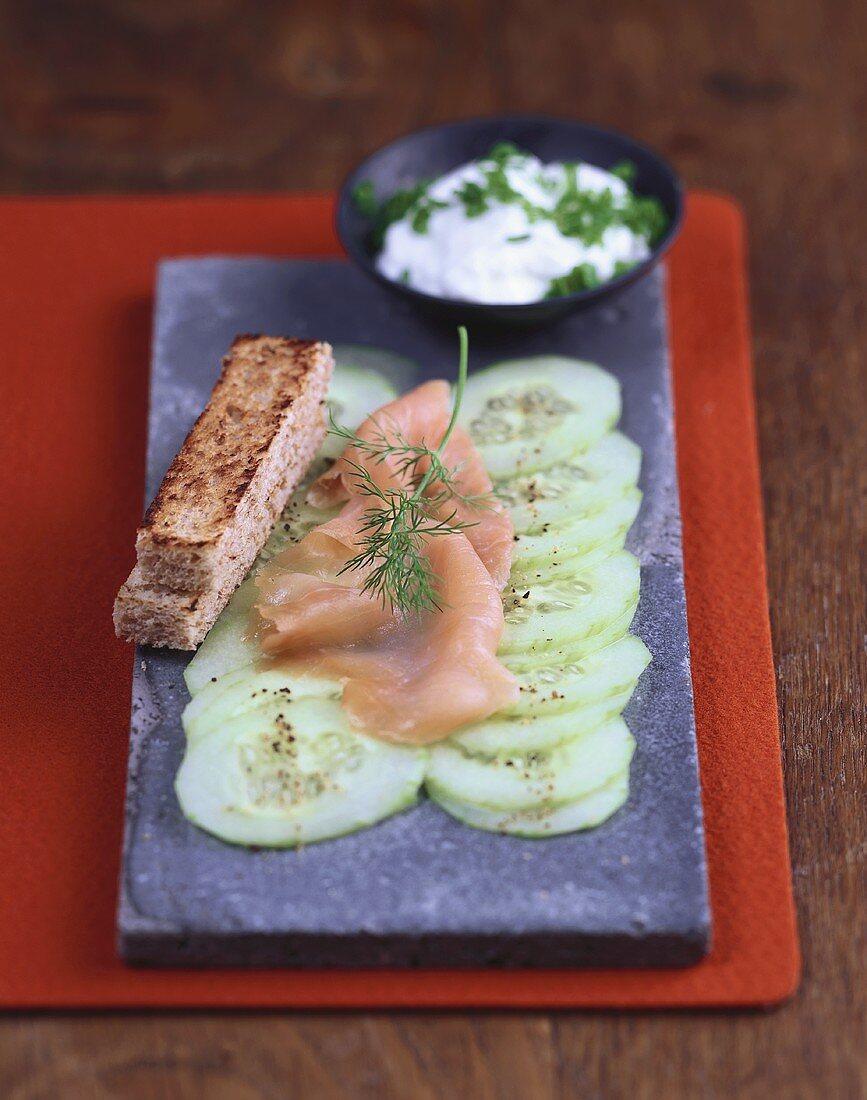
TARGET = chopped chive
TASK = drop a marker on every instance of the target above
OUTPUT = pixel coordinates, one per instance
(582, 277)
(624, 170)
(473, 197)
(364, 197)
(504, 151)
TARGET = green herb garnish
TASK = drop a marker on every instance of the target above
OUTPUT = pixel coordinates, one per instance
(582, 277)
(498, 186)
(583, 214)
(504, 151)
(364, 197)
(474, 199)
(622, 266)
(498, 189)
(624, 170)
(518, 238)
(405, 276)
(645, 216)
(413, 201)
(395, 208)
(395, 528)
(421, 212)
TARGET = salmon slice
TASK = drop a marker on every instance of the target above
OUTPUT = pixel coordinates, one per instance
(422, 416)
(411, 680)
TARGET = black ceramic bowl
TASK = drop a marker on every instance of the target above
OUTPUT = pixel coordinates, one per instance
(426, 154)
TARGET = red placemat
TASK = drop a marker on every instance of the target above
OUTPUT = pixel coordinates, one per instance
(76, 278)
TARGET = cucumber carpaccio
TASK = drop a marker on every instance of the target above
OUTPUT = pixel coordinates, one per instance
(271, 759)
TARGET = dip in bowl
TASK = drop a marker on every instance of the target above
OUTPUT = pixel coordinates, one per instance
(509, 219)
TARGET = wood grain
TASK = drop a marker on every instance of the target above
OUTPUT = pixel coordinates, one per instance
(765, 100)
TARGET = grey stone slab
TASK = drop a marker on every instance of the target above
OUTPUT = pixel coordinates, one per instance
(421, 888)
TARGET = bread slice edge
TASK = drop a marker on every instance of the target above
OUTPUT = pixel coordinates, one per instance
(156, 616)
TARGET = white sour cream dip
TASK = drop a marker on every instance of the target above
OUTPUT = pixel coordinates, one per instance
(503, 255)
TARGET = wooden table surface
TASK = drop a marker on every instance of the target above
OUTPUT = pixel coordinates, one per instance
(764, 100)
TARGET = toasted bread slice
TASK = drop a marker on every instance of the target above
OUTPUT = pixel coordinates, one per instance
(152, 614)
(237, 467)
(225, 488)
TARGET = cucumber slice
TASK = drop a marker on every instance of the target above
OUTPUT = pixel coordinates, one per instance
(577, 683)
(296, 520)
(561, 569)
(500, 736)
(560, 613)
(574, 539)
(355, 392)
(585, 482)
(248, 688)
(208, 692)
(577, 649)
(294, 773)
(584, 813)
(227, 645)
(399, 372)
(533, 779)
(529, 414)
(558, 703)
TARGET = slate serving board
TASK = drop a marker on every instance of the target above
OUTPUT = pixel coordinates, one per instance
(421, 888)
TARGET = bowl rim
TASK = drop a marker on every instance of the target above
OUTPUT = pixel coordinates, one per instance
(359, 254)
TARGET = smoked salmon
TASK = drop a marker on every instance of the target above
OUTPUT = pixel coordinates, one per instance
(422, 416)
(409, 679)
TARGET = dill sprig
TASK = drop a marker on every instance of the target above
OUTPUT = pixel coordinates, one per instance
(394, 529)
(412, 461)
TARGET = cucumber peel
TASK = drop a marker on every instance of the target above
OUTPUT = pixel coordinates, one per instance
(531, 779)
(584, 813)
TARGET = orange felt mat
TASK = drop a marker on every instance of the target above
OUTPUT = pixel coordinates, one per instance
(75, 305)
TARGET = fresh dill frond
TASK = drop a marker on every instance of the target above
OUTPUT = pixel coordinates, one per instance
(400, 520)
(411, 462)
